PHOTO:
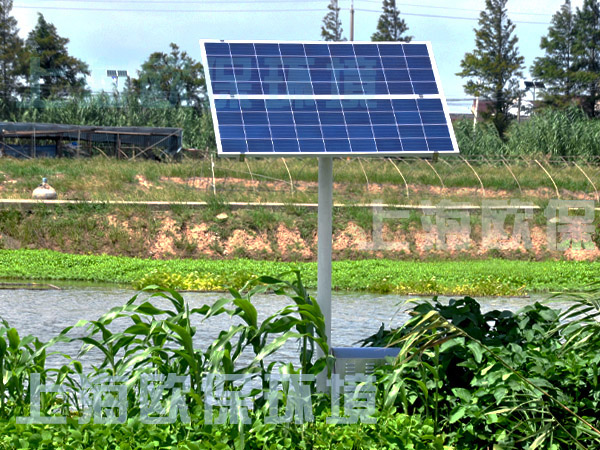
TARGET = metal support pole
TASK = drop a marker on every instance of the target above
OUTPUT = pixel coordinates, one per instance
(325, 215)
(352, 21)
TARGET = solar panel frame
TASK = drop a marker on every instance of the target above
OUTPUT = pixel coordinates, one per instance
(248, 57)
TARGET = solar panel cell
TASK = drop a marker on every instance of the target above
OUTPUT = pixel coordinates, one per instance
(415, 145)
(229, 118)
(418, 63)
(227, 105)
(363, 145)
(407, 118)
(242, 49)
(360, 132)
(440, 145)
(395, 75)
(391, 50)
(291, 49)
(335, 132)
(252, 105)
(213, 48)
(357, 118)
(260, 145)
(430, 104)
(281, 118)
(219, 62)
(315, 98)
(332, 118)
(410, 131)
(394, 63)
(309, 132)
(283, 132)
(417, 75)
(351, 105)
(400, 88)
(278, 105)
(250, 88)
(415, 50)
(405, 105)
(258, 132)
(297, 75)
(366, 63)
(232, 132)
(425, 88)
(366, 50)
(379, 105)
(389, 145)
(316, 50)
(234, 145)
(383, 118)
(374, 76)
(385, 131)
(243, 62)
(341, 50)
(286, 145)
(267, 49)
(337, 146)
(306, 118)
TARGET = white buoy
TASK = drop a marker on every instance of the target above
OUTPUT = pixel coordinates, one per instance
(44, 191)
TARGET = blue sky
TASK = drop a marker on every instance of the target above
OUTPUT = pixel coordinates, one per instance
(120, 34)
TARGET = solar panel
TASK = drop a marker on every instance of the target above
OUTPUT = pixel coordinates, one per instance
(316, 98)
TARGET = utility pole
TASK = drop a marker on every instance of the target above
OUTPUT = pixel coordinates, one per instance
(352, 20)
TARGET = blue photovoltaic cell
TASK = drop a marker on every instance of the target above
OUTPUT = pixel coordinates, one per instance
(255, 89)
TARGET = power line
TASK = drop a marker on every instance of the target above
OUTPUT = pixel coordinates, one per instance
(205, 2)
(454, 8)
(451, 17)
(197, 2)
(74, 8)
(229, 11)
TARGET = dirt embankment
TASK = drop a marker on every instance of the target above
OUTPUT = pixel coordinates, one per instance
(281, 234)
(233, 234)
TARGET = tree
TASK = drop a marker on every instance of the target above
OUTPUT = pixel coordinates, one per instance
(62, 75)
(332, 25)
(390, 26)
(494, 66)
(557, 68)
(586, 52)
(175, 78)
(11, 53)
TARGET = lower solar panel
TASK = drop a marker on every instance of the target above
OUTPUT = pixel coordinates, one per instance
(332, 126)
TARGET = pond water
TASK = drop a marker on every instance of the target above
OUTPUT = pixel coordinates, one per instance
(45, 313)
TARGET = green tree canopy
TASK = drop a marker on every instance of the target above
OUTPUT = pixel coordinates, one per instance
(586, 51)
(390, 26)
(557, 67)
(495, 65)
(61, 74)
(11, 54)
(172, 77)
(332, 25)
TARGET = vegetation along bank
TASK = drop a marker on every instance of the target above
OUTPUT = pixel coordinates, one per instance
(488, 277)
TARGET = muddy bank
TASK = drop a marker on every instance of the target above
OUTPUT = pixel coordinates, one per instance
(279, 235)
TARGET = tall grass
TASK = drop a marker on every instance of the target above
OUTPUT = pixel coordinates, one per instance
(121, 110)
(549, 133)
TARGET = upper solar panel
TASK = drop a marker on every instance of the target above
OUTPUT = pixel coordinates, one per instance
(316, 98)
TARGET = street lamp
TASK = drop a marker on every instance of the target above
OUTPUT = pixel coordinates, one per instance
(116, 74)
(534, 84)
